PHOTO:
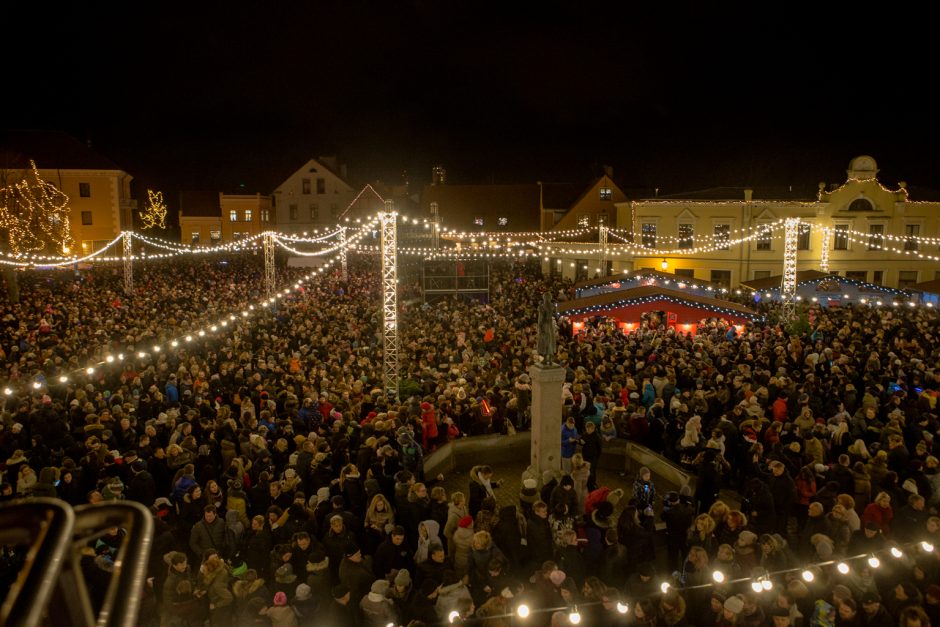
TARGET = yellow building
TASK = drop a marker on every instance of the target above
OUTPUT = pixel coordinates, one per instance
(209, 218)
(869, 232)
(99, 190)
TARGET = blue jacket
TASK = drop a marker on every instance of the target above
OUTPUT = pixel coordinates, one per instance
(172, 393)
(569, 441)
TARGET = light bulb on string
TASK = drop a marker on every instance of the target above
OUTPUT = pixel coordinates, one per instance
(718, 576)
(664, 586)
(623, 608)
(574, 617)
(896, 552)
(454, 615)
(843, 568)
(808, 576)
(756, 587)
(767, 584)
(522, 611)
(927, 546)
(874, 562)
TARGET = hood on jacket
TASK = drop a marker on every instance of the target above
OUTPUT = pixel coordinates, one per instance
(434, 529)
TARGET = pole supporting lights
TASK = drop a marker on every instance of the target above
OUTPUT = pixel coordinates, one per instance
(269, 275)
(343, 268)
(389, 220)
(788, 285)
(128, 262)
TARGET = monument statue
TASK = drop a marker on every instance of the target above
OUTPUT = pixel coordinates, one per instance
(548, 330)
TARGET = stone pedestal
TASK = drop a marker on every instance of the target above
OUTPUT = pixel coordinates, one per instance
(546, 417)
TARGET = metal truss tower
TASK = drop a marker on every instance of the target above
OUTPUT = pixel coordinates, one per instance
(788, 285)
(269, 276)
(128, 258)
(389, 219)
(343, 268)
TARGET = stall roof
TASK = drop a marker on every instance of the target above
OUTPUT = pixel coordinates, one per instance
(644, 272)
(652, 293)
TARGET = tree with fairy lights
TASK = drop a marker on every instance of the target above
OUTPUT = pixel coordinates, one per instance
(34, 217)
(154, 214)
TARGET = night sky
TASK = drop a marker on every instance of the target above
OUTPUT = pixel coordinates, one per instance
(680, 97)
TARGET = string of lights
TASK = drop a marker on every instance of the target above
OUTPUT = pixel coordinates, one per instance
(760, 581)
(640, 300)
(35, 213)
(218, 326)
(154, 214)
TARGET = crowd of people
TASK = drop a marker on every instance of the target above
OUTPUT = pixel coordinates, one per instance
(288, 489)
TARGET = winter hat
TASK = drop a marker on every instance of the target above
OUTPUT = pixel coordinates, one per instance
(909, 486)
(465, 522)
(380, 586)
(547, 477)
(841, 592)
(302, 593)
(280, 599)
(735, 604)
(530, 484)
(403, 578)
(557, 577)
(285, 574)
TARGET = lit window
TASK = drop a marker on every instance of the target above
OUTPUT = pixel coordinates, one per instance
(265, 215)
(606, 193)
(648, 234)
(722, 236)
(875, 236)
(802, 237)
(248, 215)
(840, 240)
(194, 238)
(911, 231)
(233, 216)
(763, 238)
(215, 235)
(686, 235)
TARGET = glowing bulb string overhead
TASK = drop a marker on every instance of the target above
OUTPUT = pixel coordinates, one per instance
(219, 326)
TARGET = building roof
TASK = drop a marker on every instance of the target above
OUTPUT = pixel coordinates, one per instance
(773, 282)
(645, 273)
(50, 150)
(651, 293)
(560, 196)
(460, 205)
(732, 194)
(200, 204)
(815, 277)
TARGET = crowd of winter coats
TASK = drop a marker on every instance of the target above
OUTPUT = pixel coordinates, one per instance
(286, 488)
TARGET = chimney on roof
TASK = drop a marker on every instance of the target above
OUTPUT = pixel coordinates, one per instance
(748, 195)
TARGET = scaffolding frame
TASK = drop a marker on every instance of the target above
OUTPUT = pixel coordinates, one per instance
(389, 220)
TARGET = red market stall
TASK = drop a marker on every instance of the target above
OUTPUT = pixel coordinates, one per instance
(680, 310)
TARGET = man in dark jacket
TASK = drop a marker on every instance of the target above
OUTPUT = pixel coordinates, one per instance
(539, 536)
(392, 554)
(678, 514)
(141, 487)
(210, 533)
(783, 489)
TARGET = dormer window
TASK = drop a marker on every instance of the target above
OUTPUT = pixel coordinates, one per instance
(861, 204)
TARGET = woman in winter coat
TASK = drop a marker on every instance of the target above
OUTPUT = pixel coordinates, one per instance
(483, 550)
(427, 535)
(569, 443)
(214, 580)
(428, 427)
(580, 473)
(350, 484)
(461, 544)
(880, 512)
(456, 509)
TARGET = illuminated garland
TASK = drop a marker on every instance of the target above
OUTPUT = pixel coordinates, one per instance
(154, 214)
(640, 300)
(35, 214)
(219, 326)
